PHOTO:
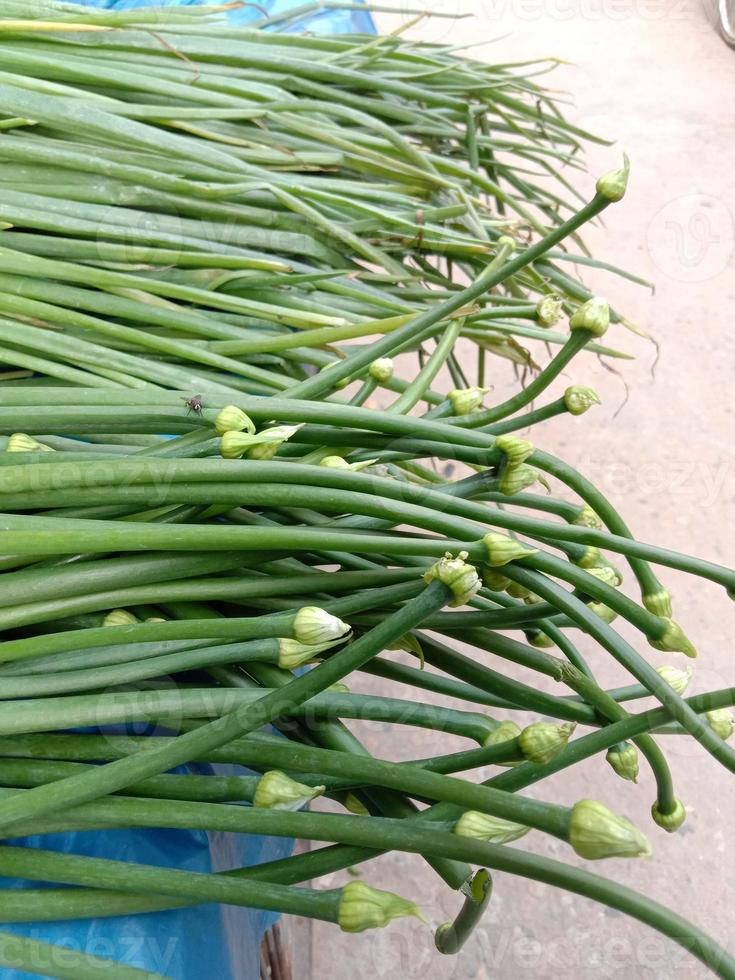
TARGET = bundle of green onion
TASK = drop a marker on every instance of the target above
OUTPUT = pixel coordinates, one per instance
(200, 496)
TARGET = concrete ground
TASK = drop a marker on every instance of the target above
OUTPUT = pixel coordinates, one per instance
(653, 75)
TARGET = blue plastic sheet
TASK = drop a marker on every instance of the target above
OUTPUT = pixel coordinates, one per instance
(206, 942)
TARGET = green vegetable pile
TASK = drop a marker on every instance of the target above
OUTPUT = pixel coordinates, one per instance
(212, 248)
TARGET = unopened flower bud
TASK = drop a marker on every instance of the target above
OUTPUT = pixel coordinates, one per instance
(506, 731)
(355, 805)
(362, 907)
(465, 401)
(606, 574)
(673, 640)
(543, 741)
(502, 549)
(119, 617)
(381, 370)
(548, 310)
(338, 463)
(292, 654)
(669, 821)
(313, 625)
(495, 581)
(613, 185)
(605, 613)
(624, 761)
(516, 450)
(481, 826)
(587, 518)
(594, 316)
(520, 477)
(409, 644)
(269, 441)
(659, 603)
(457, 575)
(19, 442)
(277, 791)
(540, 640)
(518, 591)
(578, 399)
(596, 832)
(233, 419)
(678, 680)
(722, 722)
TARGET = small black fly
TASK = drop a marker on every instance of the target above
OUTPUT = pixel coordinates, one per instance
(194, 404)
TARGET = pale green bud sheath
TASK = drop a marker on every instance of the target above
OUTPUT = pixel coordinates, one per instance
(543, 741)
(669, 821)
(673, 640)
(313, 625)
(455, 573)
(678, 680)
(592, 316)
(614, 184)
(507, 731)
(548, 310)
(520, 477)
(596, 832)
(721, 721)
(233, 419)
(465, 401)
(277, 791)
(481, 826)
(659, 603)
(495, 581)
(502, 549)
(119, 617)
(339, 463)
(579, 399)
(292, 654)
(587, 518)
(362, 907)
(516, 450)
(19, 442)
(381, 370)
(623, 760)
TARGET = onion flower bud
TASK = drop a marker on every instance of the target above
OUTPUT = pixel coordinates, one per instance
(338, 463)
(362, 907)
(548, 310)
(481, 826)
(624, 761)
(540, 640)
(674, 640)
(495, 581)
(721, 721)
(659, 603)
(517, 478)
(669, 821)
(579, 399)
(506, 731)
(594, 316)
(313, 626)
(264, 445)
(596, 832)
(119, 617)
(518, 591)
(605, 613)
(457, 575)
(613, 185)
(607, 574)
(587, 518)
(277, 791)
(292, 654)
(465, 401)
(516, 450)
(354, 804)
(543, 741)
(502, 549)
(233, 419)
(381, 370)
(19, 442)
(678, 680)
